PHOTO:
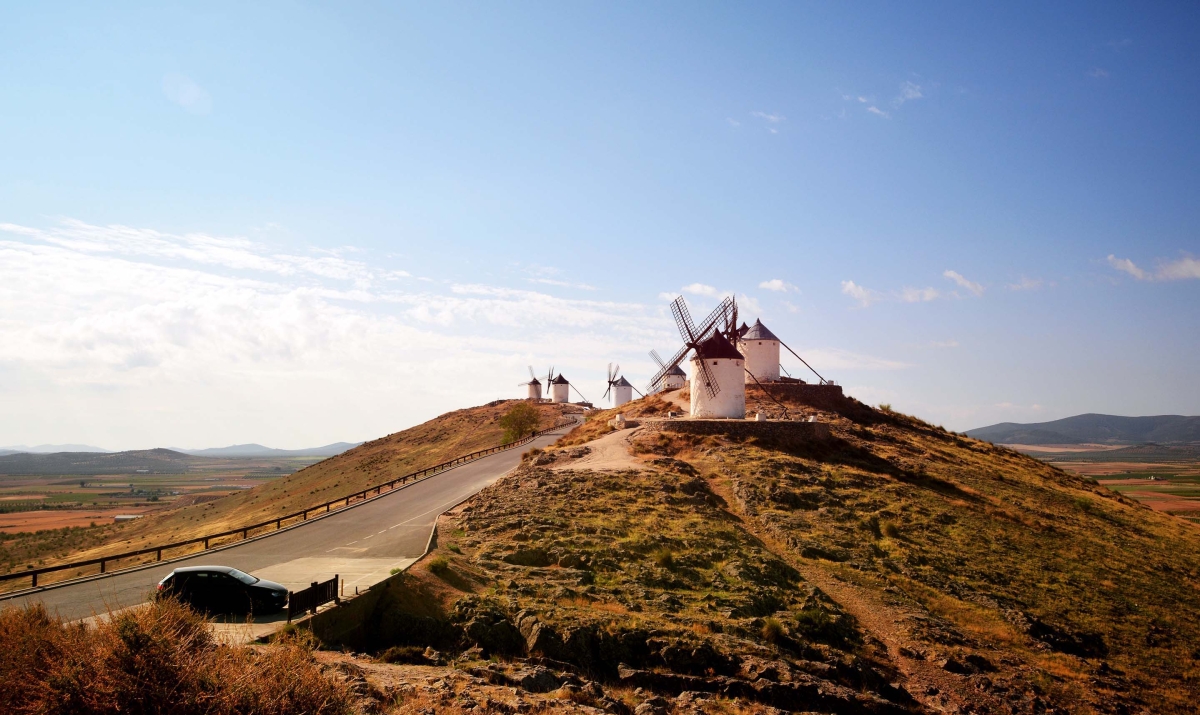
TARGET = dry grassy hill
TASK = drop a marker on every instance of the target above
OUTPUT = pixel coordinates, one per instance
(438, 440)
(815, 576)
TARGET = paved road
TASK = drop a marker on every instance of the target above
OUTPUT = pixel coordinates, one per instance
(361, 544)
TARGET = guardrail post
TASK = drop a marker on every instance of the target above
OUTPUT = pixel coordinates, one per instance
(158, 555)
(244, 533)
(278, 522)
(34, 575)
(206, 543)
(101, 565)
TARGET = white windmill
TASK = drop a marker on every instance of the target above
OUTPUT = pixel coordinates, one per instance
(675, 378)
(619, 387)
(718, 388)
(761, 350)
(534, 385)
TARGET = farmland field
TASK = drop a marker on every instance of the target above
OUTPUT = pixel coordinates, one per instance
(32, 502)
(1163, 477)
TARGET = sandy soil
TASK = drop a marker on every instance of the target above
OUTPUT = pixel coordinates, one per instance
(1092, 469)
(60, 518)
(1166, 502)
(1065, 447)
(610, 452)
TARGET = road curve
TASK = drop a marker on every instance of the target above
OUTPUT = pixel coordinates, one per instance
(362, 544)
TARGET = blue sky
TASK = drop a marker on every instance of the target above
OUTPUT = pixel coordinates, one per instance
(295, 224)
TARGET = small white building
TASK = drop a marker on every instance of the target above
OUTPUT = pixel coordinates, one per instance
(560, 389)
(726, 366)
(622, 392)
(674, 379)
(535, 390)
(760, 347)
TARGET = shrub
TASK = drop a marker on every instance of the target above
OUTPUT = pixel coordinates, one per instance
(520, 421)
(404, 655)
(439, 565)
(772, 630)
(156, 659)
(454, 547)
(664, 558)
(891, 530)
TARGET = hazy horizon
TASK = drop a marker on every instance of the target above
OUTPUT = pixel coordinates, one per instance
(296, 225)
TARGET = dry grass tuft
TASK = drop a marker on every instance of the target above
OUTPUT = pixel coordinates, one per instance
(158, 659)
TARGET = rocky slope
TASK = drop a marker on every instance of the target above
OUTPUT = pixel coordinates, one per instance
(894, 568)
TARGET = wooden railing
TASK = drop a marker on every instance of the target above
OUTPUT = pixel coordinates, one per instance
(246, 532)
(318, 594)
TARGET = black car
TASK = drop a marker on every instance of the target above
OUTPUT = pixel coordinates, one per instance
(222, 589)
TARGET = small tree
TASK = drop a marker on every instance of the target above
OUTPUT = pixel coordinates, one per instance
(520, 421)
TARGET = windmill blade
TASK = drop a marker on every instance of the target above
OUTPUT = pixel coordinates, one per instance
(655, 356)
(709, 380)
(683, 321)
(691, 335)
(616, 371)
(532, 377)
(605, 396)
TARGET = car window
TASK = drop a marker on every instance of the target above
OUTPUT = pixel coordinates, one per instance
(243, 577)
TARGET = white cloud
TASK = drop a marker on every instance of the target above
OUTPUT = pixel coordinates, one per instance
(214, 340)
(864, 296)
(186, 93)
(1128, 266)
(919, 295)
(1098, 73)
(701, 289)
(1026, 284)
(951, 343)
(748, 306)
(876, 110)
(564, 284)
(1182, 269)
(769, 117)
(908, 92)
(733, 122)
(975, 288)
(778, 285)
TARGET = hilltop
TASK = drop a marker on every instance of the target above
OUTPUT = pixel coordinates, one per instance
(1094, 429)
(895, 567)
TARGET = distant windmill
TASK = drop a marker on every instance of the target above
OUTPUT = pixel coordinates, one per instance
(535, 386)
(675, 377)
(621, 389)
(718, 387)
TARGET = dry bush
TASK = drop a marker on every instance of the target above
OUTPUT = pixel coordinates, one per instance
(157, 659)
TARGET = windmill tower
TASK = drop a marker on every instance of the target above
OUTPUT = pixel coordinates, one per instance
(675, 378)
(558, 388)
(761, 349)
(535, 387)
(718, 388)
(619, 387)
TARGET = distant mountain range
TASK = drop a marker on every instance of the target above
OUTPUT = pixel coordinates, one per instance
(51, 448)
(257, 450)
(237, 450)
(161, 461)
(1095, 429)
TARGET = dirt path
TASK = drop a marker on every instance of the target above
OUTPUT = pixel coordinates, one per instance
(610, 452)
(936, 689)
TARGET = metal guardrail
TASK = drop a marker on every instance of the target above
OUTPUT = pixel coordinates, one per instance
(309, 599)
(245, 532)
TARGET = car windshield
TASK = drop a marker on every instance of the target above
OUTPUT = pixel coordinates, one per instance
(243, 577)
